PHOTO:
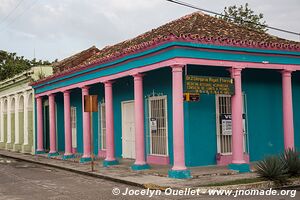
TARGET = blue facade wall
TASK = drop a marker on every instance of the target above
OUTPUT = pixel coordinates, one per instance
(296, 106)
(75, 98)
(264, 110)
(263, 92)
(59, 99)
(160, 82)
(200, 122)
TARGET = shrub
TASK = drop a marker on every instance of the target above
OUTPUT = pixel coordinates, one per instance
(291, 162)
(272, 168)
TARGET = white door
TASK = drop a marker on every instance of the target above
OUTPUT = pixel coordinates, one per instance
(128, 130)
(74, 127)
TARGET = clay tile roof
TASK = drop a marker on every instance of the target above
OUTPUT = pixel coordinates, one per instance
(74, 60)
(200, 28)
(196, 27)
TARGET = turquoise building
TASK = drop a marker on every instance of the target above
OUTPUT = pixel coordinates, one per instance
(142, 115)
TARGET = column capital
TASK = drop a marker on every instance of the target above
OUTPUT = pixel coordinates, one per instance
(85, 87)
(51, 95)
(287, 72)
(177, 67)
(66, 92)
(138, 76)
(236, 71)
(108, 83)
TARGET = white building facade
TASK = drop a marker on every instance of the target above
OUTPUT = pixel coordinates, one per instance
(16, 110)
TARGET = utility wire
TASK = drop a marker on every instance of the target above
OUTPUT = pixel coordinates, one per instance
(11, 12)
(219, 14)
(21, 14)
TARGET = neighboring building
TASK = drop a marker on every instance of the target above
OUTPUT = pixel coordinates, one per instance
(16, 110)
(142, 116)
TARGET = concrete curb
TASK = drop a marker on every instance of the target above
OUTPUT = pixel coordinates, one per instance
(262, 185)
(91, 174)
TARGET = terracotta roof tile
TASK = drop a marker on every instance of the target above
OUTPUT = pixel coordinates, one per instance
(196, 27)
(74, 60)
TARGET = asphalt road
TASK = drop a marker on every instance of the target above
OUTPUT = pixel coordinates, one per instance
(23, 180)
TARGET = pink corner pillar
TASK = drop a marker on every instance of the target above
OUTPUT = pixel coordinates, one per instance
(39, 105)
(287, 101)
(67, 120)
(139, 120)
(86, 120)
(237, 118)
(178, 118)
(109, 114)
(52, 122)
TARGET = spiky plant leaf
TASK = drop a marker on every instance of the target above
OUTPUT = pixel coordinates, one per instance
(271, 168)
(291, 162)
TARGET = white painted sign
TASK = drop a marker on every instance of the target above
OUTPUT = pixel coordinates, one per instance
(153, 124)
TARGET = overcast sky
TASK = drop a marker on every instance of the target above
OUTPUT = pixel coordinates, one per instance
(59, 28)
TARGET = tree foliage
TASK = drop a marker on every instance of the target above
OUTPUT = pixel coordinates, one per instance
(11, 64)
(244, 16)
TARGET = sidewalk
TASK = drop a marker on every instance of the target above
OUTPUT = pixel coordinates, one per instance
(155, 178)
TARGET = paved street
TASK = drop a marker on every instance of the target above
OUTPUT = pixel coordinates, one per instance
(22, 180)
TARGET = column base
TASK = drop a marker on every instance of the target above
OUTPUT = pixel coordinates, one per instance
(85, 159)
(53, 154)
(27, 148)
(180, 174)
(2, 145)
(140, 167)
(9, 146)
(65, 157)
(37, 152)
(17, 147)
(107, 163)
(241, 168)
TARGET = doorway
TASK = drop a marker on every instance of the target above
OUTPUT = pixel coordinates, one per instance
(128, 130)
(46, 128)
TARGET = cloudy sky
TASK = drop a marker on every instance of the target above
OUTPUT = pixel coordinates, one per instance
(59, 28)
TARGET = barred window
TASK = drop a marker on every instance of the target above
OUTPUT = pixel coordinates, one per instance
(158, 125)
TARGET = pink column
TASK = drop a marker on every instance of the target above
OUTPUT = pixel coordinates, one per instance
(139, 122)
(109, 114)
(178, 120)
(39, 105)
(52, 122)
(287, 101)
(86, 127)
(67, 120)
(237, 118)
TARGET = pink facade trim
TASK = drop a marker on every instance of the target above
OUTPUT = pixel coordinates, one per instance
(109, 114)
(139, 120)
(237, 118)
(86, 126)
(101, 153)
(224, 160)
(287, 102)
(74, 150)
(192, 61)
(39, 105)
(178, 118)
(52, 122)
(67, 121)
(158, 160)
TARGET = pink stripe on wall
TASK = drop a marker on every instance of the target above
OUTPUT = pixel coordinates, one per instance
(227, 159)
(102, 153)
(158, 160)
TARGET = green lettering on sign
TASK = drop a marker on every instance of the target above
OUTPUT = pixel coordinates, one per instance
(209, 85)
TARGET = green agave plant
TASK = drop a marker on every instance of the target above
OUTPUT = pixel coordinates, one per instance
(291, 161)
(272, 168)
